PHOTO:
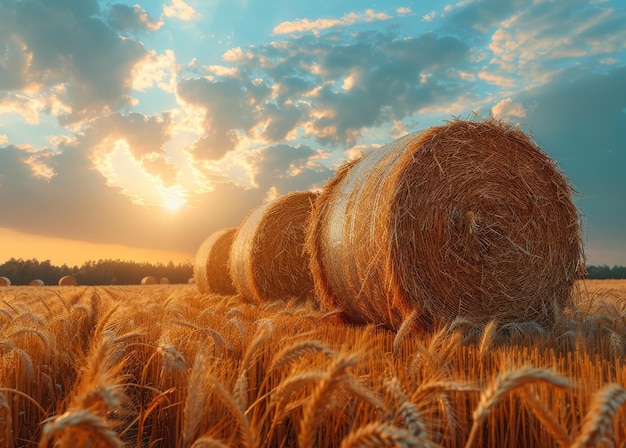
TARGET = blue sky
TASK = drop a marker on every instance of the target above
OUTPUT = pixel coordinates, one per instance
(135, 129)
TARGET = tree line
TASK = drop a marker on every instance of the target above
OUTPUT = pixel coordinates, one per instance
(101, 272)
(118, 272)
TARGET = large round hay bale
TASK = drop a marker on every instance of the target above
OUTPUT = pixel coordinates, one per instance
(210, 269)
(67, 280)
(4, 281)
(149, 280)
(267, 260)
(468, 219)
(36, 282)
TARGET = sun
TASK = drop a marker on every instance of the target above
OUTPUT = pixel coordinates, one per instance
(173, 200)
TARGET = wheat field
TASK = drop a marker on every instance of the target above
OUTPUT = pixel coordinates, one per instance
(167, 366)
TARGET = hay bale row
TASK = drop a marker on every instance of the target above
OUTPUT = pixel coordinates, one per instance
(468, 219)
(264, 258)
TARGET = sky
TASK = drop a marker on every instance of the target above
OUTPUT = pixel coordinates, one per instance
(133, 130)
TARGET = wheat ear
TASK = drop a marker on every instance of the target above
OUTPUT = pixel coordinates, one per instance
(598, 420)
(503, 384)
(75, 425)
(403, 330)
(380, 435)
(314, 410)
(546, 417)
(295, 351)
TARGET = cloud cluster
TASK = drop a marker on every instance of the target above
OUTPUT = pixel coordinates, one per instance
(138, 127)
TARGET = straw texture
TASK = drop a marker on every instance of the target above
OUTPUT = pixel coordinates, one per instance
(267, 260)
(468, 219)
(67, 280)
(149, 280)
(210, 270)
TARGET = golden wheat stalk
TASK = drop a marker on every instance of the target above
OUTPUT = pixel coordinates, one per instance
(405, 328)
(74, 427)
(597, 422)
(503, 384)
(315, 407)
(296, 351)
(547, 419)
(208, 442)
(381, 435)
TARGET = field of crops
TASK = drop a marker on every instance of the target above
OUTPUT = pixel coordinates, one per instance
(166, 366)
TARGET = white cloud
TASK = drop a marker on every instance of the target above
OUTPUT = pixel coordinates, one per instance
(180, 10)
(403, 10)
(160, 70)
(430, 17)
(303, 25)
(507, 108)
(497, 79)
(4, 139)
(220, 70)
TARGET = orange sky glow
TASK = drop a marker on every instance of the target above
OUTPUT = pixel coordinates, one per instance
(74, 253)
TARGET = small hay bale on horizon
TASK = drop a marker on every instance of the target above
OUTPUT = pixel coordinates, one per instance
(470, 219)
(67, 280)
(149, 280)
(210, 270)
(4, 281)
(267, 259)
(36, 282)
(164, 281)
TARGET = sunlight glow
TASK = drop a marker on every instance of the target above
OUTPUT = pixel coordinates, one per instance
(173, 199)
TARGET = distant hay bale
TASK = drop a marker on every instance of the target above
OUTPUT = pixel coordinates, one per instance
(210, 269)
(67, 280)
(267, 259)
(36, 282)
(4, 281)
(164, 281)
(149, 280)
(467, 219)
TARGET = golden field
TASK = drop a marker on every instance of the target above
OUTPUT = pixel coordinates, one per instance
(166, 366)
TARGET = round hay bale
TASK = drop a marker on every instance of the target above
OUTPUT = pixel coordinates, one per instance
(164, 281)
(67, 280)
(4, 281)
(468, 219)
(267, 259)
(36, 282)
(210, 269)
(149, 280)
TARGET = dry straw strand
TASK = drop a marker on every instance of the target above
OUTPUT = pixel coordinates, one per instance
(597, 422)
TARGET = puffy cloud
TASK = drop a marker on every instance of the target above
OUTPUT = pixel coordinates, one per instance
(180, 10)
(68, 52)
(507, 108)
(313, 87)
(131, 18)
(303, 25)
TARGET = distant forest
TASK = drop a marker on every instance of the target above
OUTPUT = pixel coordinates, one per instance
(117, 272)
(101, 272)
